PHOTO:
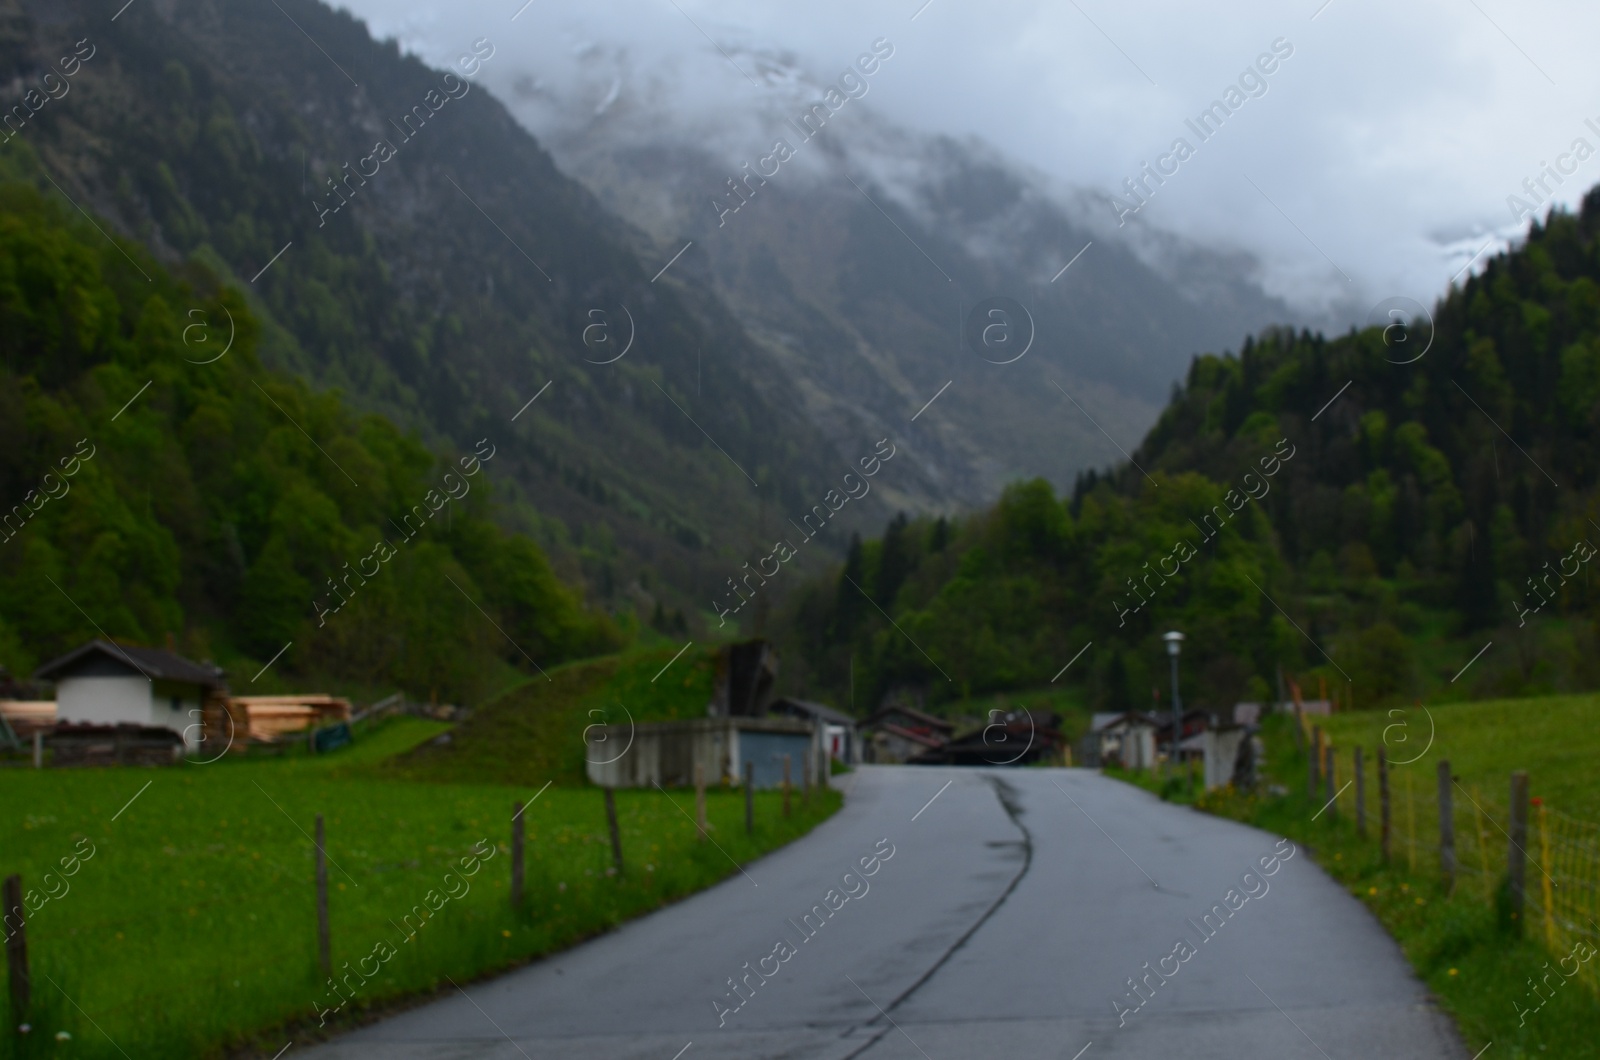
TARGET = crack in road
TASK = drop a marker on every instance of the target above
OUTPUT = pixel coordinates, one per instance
(1013, 807)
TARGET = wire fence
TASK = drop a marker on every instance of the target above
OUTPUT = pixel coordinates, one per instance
(1490, 843)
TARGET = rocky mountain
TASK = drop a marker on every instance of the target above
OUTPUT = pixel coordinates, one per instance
(862, 257)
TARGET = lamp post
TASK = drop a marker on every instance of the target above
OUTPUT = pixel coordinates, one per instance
(1174, 641)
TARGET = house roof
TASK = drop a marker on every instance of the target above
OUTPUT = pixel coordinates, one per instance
(907, 734)
(914, 714)
(1105, 720)
(789, 705)
(155, 663)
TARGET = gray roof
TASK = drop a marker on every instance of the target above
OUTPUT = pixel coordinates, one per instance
(790, 705)
(155, 663)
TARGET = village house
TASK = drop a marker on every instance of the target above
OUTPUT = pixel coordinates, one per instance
(1126, 738)
(899, 733)
(1191, 741)
(106, 684)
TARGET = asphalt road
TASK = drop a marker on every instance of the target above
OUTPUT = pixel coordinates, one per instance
(1006, 921)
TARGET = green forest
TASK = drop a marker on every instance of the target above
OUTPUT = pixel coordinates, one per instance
(1361, 513)
(189, 493)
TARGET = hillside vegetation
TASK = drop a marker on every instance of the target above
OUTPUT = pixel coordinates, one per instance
(1343, 509)
(158, 486)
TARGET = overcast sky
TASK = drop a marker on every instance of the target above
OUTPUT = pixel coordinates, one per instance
(1383, 149)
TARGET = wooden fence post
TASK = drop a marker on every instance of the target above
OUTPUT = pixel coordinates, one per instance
(17, 949)
(700, 799)
(1447, 828)
(1313, 761)
(516, 854)
(1517, 852)
(806, 768)
(616, 836)
(750, 797)
(1383, 803)
(324, 950)
(1361, 797)
(786, 785)
(38, 748)
(1330, 793)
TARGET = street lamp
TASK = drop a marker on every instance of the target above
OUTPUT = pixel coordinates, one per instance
(1174, 641)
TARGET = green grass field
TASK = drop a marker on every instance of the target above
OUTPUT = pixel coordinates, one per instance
(1462, 942)
(1551, 737)
(191, 928)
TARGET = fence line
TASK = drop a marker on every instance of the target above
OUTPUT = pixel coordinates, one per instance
(1561, 853)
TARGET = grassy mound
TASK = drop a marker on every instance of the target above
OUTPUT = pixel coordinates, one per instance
(534, 732)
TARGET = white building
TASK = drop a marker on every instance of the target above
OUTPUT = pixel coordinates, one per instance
(111, 684)
(1128, 739)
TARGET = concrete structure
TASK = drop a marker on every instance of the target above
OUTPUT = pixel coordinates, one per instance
(1222, 753)
(102, 683)
(666, 752)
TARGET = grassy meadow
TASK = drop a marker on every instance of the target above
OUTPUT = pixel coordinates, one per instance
(190, 927)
